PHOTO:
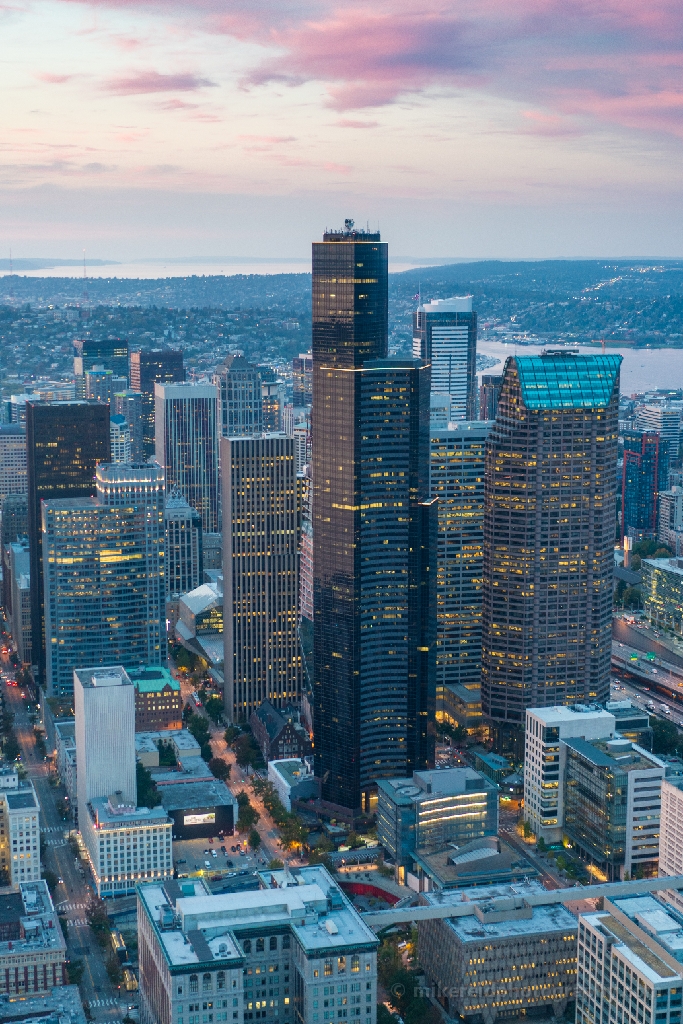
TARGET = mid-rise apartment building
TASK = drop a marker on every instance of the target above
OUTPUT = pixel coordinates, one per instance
(293, 952)
(543, 767)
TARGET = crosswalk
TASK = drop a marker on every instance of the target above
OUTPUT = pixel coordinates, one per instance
(53, 828)
(55, 842)
(77, 922)
(72, 906)
(103, 1002)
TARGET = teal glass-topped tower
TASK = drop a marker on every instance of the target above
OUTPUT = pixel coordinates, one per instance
(549, 527)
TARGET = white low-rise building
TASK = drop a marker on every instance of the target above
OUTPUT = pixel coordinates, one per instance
(294, 952)
(543, 761)
(293, 779)
(19, 829)
(126, 844)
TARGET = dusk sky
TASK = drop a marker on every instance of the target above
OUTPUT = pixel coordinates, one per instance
(230, 128)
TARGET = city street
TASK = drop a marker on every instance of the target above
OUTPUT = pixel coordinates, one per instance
(71, 897)
(239, 780)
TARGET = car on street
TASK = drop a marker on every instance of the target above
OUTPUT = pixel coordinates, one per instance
(213, 853)
(207, 863)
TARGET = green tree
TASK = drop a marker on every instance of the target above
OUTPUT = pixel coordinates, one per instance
(231, 734)
(275, 864)
(74, 971)
(292, 833)
(167, 754)
(526, 830)
(541, 845)
(385, 1016)
(98, 919)
(113, 967)
(51, 880)
(247, 751)
(148, 795)
(214, 708)
(248, 817)
(220, 768)
(10, 747)
(665, 738)
(254, 839)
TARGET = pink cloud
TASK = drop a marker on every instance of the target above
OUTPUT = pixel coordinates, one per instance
(346, 123)
(151, 81)
(612, 61)
(51, 79)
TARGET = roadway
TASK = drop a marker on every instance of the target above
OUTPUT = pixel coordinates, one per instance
(70, 897)
(240, 781)
(643, 638)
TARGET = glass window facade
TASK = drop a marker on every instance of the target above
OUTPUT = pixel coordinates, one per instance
(374, 531)
(549, 522)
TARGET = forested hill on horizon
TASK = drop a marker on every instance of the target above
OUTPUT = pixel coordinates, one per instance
(638, 302)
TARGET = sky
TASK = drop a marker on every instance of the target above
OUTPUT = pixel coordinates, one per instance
(229, 128)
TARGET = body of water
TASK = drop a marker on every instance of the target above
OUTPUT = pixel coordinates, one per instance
(641, 369)
(149, 269)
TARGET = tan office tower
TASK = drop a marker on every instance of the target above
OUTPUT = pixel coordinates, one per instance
(260, 573)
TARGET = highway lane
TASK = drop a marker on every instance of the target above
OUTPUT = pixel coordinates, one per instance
(71, 897)
(644, 639)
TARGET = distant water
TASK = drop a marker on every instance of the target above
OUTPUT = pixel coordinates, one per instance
(149, 269)
(641, 369)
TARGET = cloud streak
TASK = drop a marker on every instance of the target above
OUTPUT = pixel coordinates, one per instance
(144, 82)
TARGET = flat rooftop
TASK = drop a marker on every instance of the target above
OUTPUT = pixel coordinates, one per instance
(547, 918)
(142, 815)
(188, 795)
(631, 948)
(61, 1005)
(629, 759)
(292, 770)
(482, 861)
(558, 714)
(206, 927)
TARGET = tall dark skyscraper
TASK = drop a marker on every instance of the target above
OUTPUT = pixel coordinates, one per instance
(65, 441)
(645, 473)
(147, 368)
(489, 393)
(111, 353)
(374, 532)
(549, 521)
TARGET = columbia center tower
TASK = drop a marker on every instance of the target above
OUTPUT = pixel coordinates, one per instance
(374, 532)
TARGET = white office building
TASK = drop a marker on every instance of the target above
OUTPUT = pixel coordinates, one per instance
(628, 969)
(665, 420)
(544, 761)
(12, 459)
(186, 445)
(294, 952)
(104, 704)
(126, 844)
(119, 433)
(671, 835)
(19, 828)
(445, 333)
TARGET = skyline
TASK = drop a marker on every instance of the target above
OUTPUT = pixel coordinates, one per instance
(141, 128)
